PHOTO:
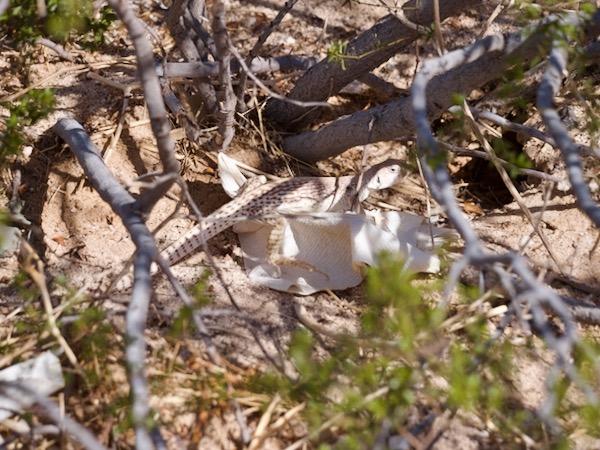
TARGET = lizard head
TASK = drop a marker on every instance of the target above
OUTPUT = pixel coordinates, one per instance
(381, 176)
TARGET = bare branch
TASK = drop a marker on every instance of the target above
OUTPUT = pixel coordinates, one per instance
(4, 4)
(226, 96)
(395, 118)
(258, 65)
(511, 126)
(509, 184)
(194, 16)
(460, 70)
(184, 21)
(181, 34)
(520, 281)
(551, 81)
(154, 102)
(266, 89)
(483, 155)
(195, 43)
(289, 4)
(111, 191)
(135, 348)
(59, 49)
(369, 50)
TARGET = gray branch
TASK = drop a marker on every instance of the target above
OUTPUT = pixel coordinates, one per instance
(57, 48)
(289, 4)
(551, 82)
(4, 4)
(484, 155)
(258, 65)
(368, 51)
(194, 42)
(520, 281)
(193, 16)
(111, 191)
(225, 95)
(122, 203)
(153, 96)
(394, 119)
(183, 36)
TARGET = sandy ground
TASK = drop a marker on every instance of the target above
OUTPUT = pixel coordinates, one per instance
(78, 236)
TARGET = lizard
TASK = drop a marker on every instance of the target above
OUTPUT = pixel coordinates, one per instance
(270, 201)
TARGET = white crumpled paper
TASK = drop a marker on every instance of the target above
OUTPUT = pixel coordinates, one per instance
(336, 247)
(42, 375)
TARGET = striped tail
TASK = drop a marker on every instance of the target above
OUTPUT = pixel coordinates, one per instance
(181, 248)
(193, 239)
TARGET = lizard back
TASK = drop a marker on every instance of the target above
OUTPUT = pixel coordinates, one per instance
(293, 196)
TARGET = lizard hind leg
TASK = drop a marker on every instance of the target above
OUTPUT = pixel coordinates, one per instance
(276, 258)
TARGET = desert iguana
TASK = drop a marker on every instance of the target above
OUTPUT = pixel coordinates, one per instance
(267, 201)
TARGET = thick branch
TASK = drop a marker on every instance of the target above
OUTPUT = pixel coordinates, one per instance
(368, 51)
(4, 4)
(122, 203)
(194, 16)
(393, 119)
(184, 37)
